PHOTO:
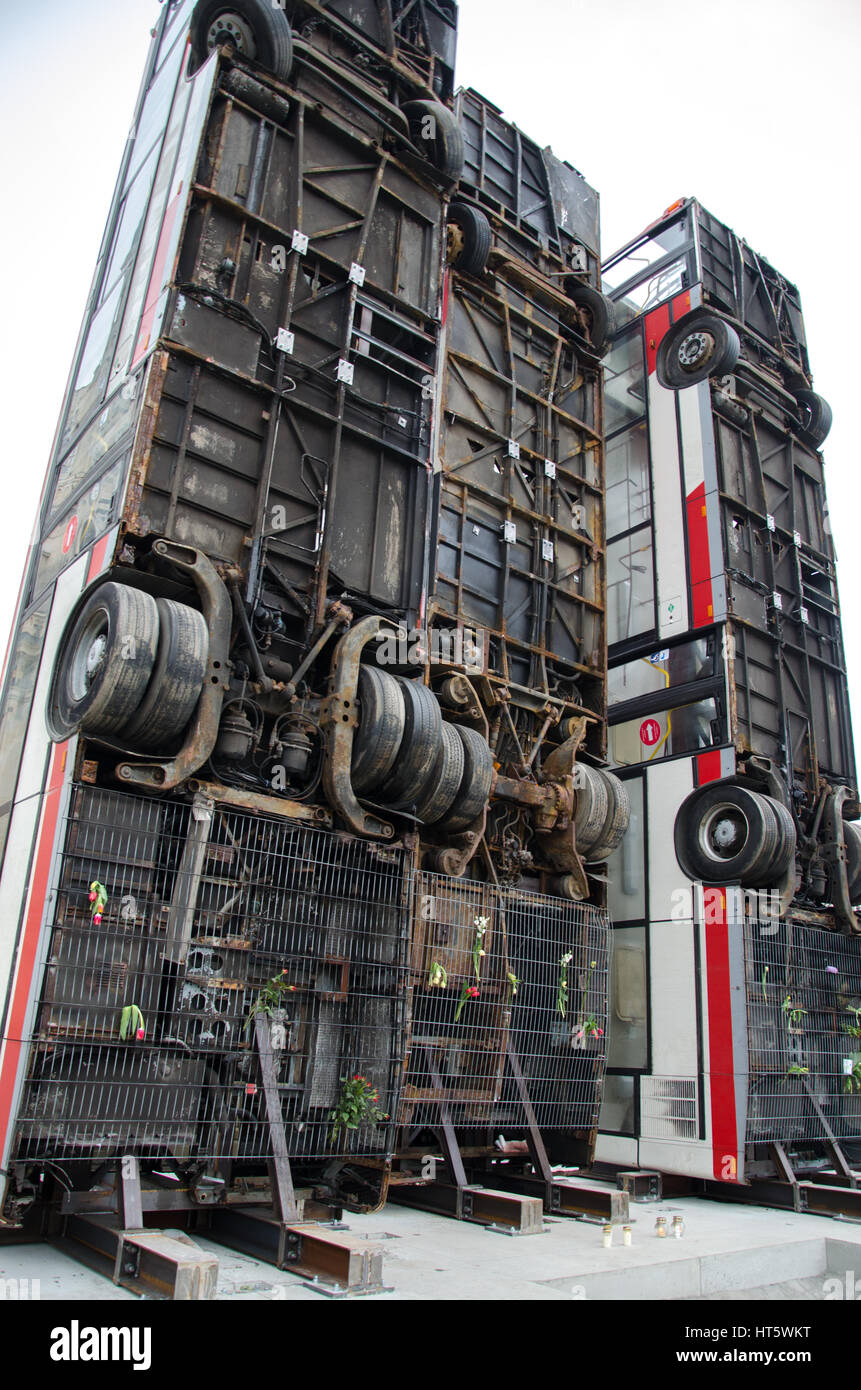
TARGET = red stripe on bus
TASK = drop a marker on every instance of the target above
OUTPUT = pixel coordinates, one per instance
(156, 279)
(708, 766)
(97, 558)
(30, 939)
(681, 305)
(702, 597)
(656, 325)
(721, 1065)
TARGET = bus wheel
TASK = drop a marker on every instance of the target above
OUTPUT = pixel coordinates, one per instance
(420, 747)
(435, 131)
(469, 238)
(177, 679)
(381, 727)
(444, 783)
(815, 417)
(727, 834)
(474, 788)
(600, 313)
(104, 663)
(616, 822)
(698, 346)
(257, 29)
(592, 808)
(787, 837)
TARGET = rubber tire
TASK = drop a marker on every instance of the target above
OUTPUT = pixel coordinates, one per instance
(268, 22)
(787, 839)
(852, 837)
(420, 745)
(444, 783)
(723, 358)
(618, 816)
(446, 152)
(477, 238)
(381, 728)
(121, 681)
(750, 864)
(475, 786)
(602, 312)
(592, 807)
(816, 417)
(177, 678)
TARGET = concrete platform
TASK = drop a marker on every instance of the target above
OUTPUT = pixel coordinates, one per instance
(726, 1253)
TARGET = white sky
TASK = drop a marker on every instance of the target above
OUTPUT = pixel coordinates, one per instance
(751, 105)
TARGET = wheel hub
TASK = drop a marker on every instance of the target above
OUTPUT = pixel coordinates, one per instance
(229, 27)
(695, 350)
(724, 833)
(89, 656)
(95, 657)
(454, 243)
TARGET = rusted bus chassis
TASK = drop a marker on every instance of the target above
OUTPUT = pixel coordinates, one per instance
(280, 849)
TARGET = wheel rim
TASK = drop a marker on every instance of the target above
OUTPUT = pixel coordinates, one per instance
(723, 833)
(89, 656)
(455, 243)
(229, 27)
(695, 350)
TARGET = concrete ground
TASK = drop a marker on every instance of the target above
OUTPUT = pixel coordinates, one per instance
(727, 1252)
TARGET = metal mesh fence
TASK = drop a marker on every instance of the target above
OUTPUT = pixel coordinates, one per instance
(145, 1040)
(505, 980)
(803, 989)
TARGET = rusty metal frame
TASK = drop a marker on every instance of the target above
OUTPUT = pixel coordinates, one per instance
(149, 1262)
(334, 1262)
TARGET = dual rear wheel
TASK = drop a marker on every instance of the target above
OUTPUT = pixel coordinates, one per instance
(408, 758)
(130, 667)
(729, 834)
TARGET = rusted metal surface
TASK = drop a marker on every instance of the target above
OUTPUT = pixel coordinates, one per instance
(338, 1263)
(520, 553)
(418, 40)
(279, 1167)
(257, 801)
(146, 1262)
(485, 1206)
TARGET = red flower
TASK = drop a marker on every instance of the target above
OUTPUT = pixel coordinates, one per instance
(473, 992)
(599, 1032)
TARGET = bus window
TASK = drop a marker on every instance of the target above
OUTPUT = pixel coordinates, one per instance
(626, 866)
(630, 586)
(21, 682)
(627, 1045)
(665, 734)
(661, 670)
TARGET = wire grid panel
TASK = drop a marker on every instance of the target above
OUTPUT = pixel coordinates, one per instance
(212, 916)
(497, 971)
(803, 989)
